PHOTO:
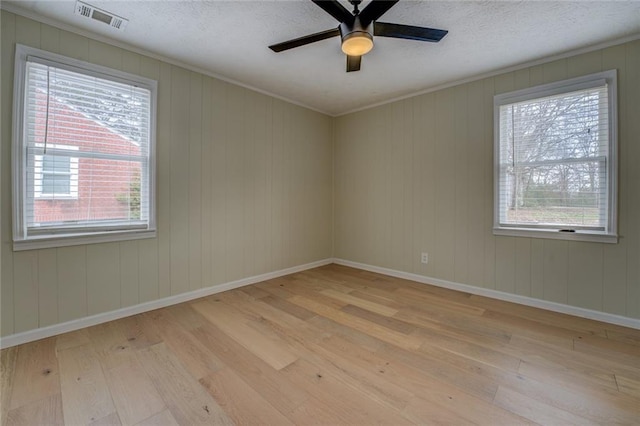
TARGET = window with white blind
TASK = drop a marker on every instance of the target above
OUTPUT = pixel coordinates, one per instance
(83, 153)
(555, 160)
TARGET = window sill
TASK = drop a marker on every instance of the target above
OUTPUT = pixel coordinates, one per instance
(555, 234)
(48, 241)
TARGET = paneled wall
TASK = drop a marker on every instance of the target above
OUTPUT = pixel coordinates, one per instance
(244, 187)
(417, 176)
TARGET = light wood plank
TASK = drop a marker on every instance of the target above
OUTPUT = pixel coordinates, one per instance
(110, 420)
(134, 396)
(356, 323)
(85, 394)
(273, 352)
(111, 346)
(243, 404)
(7, 369)
(164, 418)
(44, 411)
(365, 373)
(196, 358)
(181, 393)
(258, 374)
(421, 411)
(138, 332)
(628, 386)
(349, 404)
(72, 339)
(535, 411)
(388, 322)
(364, 304)
(36, 375)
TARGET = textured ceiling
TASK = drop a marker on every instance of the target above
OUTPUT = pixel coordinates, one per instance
(230, 39)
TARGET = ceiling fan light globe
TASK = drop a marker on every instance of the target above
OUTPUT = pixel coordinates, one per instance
(357, 43)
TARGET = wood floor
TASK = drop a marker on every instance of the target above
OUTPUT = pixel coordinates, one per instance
(332, 345)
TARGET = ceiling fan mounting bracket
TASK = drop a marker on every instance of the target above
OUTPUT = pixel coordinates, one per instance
(355, 4)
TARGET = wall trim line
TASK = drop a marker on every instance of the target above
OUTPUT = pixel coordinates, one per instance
(500, 295)
(53, 330)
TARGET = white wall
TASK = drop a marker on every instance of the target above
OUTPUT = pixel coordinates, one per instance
(417, 176)
(244, 188)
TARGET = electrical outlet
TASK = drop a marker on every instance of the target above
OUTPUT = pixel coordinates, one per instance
(425, 258)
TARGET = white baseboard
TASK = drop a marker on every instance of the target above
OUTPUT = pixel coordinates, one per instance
(41, 333)
(495, 294)
(52, 330)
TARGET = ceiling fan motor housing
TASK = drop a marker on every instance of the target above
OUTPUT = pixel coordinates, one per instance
(357, 40)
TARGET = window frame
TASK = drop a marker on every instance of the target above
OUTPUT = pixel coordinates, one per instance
(64, 235)
(609, 234)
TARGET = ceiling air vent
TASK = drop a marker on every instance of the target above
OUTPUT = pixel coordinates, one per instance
(88, 11)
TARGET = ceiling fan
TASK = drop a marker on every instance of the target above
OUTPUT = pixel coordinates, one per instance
(357, 29)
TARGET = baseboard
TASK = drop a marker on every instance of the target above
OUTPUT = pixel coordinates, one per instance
(53, 330)
(500, 295)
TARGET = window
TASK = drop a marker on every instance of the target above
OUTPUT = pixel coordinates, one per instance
(555, 160)
(83, 153)
(56, 177)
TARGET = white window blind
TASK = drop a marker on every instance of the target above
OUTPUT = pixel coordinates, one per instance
(554, 159)
(86, 163)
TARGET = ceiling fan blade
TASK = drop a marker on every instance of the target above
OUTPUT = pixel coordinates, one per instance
(335, 9)
(311, 38)
(353, 63)
(384, 29)
(375, 10)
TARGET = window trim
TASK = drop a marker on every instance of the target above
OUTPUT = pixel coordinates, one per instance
(22, 241)
(610, 234)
